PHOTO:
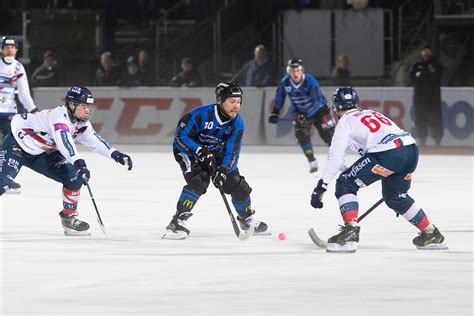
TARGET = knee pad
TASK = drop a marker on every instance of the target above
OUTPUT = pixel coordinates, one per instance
(303, 135)
(72, 184)
(197, 182)
(345, 186)
(326, 135)
(400, 203)
(237, 186)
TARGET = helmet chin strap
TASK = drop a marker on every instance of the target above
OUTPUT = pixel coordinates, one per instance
(222, 114)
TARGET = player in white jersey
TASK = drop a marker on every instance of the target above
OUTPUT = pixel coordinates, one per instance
(44, 142)
(12, 78)
(388, 154)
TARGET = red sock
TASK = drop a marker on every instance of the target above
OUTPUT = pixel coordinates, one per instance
(70, 201)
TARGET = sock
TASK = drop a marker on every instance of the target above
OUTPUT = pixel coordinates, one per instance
(308, 151)
(242, 206)
(349, 207)
(417, 217)
(187, 201)
(70, 201)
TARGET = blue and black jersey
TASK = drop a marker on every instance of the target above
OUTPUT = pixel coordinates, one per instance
(306, 96)
(204, 127)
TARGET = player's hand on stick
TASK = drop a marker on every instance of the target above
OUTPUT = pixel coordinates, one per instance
(317, 196)
(205, 157)
(219, 177)
(273, 118)
(122, 159)
(82, 172)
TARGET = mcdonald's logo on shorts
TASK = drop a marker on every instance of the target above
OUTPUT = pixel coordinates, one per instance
(188, 203)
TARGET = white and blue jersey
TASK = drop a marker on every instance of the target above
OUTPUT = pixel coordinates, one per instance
(12, 78)
(204, 127)
(306, 97)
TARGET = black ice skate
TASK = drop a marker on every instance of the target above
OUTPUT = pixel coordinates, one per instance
(430, 240)
(346, 241)
(15, 188)
(176, 229)
(260, 227)
(73, 226)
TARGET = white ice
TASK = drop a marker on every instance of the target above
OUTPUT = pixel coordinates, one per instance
(130, 270)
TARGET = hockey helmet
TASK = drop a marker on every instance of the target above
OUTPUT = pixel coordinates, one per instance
(78, 96)
(345, 98)
(8, 40)
(225, 90)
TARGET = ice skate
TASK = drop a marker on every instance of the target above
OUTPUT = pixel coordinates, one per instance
(313, 166)
(73, 226)
(15, 188)
(346, 241)
(260, 227)
(430, 240)
(176, 229)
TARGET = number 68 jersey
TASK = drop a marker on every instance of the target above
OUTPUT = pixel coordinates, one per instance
(363, 131)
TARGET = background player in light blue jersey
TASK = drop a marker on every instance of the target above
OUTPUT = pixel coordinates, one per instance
(309, 108)
(207, 145)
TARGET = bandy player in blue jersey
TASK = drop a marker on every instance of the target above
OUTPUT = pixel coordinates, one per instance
(308, 106)
(207, 146)
(389, 154)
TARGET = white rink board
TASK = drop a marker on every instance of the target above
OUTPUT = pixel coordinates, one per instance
(132, 271)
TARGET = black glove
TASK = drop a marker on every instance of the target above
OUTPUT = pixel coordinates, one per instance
(122, 159)
(273, 118)
(219, 176)
(205, 157)
(82, 173)
(317, 195)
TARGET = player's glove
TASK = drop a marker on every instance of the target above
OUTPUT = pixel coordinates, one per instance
(82, 173)
(205, 157)
(122, 159)
(273, 118)
(317, 196)
(219, 176)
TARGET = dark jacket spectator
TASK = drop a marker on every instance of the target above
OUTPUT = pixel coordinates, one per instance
(258, 72)
(146, 68)
(108, 73)
(341, 75)
(132, 77)
(48, 74)
(189, 77)
(426, 77)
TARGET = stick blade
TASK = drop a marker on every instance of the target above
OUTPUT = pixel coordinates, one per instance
(246, 234)
(316, 240)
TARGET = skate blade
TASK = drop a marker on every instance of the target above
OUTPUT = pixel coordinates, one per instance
(349, 247)
(265, 233)
(13, 191)
(72, 232)
(441, 246)
(171, 235)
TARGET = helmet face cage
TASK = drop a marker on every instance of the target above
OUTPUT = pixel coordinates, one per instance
(225, 90)
(79, 96)
(345, 98)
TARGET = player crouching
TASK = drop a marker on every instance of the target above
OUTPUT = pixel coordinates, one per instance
(388, 154)
(44, 142)
(207, 145)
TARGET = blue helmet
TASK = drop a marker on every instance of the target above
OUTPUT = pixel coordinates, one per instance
(75, 96)
(8, 40)
(345, 98)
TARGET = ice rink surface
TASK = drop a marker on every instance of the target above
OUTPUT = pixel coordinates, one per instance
(130, 270)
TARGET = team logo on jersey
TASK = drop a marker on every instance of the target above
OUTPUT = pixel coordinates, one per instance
(384, 172)
(288, 89)
(228, 130)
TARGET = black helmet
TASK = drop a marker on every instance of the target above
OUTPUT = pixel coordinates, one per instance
(225, 90)
(75, 96)
(345, 98)
(294, 63)
(8, 40)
